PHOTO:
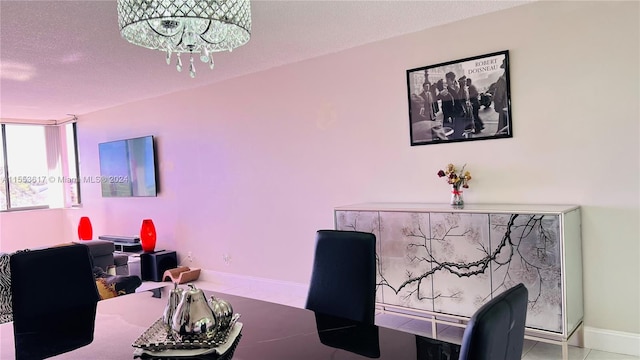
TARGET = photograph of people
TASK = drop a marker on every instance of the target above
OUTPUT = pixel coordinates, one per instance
(462, 100)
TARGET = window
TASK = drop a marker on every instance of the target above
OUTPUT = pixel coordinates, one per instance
(26, 166)
(72, 190)
(38, 166)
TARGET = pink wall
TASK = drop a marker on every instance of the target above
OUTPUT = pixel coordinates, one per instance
(252, 167)
(21, 230)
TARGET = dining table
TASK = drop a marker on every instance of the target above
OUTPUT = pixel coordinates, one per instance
(269, 331)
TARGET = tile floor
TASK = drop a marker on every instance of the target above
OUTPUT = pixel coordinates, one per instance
(533, 350)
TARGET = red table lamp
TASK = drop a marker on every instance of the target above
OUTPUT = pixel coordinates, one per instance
(148, 235)
(85, 231)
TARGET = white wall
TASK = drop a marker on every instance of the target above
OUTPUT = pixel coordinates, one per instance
(252, 167)
(34, 228)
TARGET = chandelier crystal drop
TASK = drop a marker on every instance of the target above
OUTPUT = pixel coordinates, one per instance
(186, 26)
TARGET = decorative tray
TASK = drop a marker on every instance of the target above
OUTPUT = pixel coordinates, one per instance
(159, 337)
(223, 352)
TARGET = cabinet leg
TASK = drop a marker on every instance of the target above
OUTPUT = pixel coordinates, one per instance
(157, 293)
(434, 328)
(565, 350)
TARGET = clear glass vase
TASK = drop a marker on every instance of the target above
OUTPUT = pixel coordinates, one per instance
(457, 201)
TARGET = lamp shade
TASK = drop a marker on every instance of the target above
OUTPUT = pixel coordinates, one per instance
(148, 235)
(85, 230)
(195, 27)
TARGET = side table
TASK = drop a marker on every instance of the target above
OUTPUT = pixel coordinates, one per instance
(154, 264)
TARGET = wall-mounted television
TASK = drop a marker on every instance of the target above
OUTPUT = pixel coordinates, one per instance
(128, 167)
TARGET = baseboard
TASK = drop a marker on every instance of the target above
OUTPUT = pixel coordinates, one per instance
(232, 281)
(612, 341)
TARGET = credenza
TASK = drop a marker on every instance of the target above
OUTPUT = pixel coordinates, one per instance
(444, 263)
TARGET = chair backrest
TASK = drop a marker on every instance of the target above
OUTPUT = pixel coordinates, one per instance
(496, 330)
(54, 299)
(343, 279)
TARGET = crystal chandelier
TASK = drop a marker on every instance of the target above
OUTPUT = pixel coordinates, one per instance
(199, 27)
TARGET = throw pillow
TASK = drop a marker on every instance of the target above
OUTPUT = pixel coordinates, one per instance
(106, 291)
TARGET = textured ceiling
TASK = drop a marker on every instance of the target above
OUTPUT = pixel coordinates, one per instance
(67, 57)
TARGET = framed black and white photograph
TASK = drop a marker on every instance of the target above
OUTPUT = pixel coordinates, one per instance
(461, 100)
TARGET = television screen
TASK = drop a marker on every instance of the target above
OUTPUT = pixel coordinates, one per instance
(127, 167)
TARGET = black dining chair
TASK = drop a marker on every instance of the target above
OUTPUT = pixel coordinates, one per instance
(352, 336)
(54, 299)
(343, 278)
(496, 330)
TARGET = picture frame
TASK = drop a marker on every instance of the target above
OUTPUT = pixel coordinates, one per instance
(470, 99)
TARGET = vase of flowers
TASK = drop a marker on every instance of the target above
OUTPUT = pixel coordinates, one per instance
(457, 179)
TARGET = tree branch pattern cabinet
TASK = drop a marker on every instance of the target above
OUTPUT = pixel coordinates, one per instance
(444, 261)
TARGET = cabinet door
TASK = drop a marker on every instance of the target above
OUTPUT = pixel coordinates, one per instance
(461, 262)
(365, 221)
(527, 249)
(405, 266)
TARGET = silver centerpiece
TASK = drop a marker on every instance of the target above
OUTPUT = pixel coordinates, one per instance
(222, 310)
(193, 317)
(190, 321)
(172, 305)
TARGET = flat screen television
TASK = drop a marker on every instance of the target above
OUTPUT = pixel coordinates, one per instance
(128, 167)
